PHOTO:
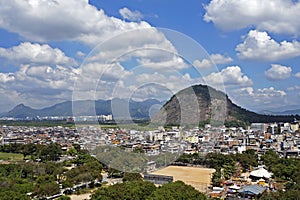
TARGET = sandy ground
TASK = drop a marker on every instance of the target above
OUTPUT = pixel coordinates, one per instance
(80, 197)
(199, 178)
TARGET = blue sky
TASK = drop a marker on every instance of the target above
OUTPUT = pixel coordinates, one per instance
(252, 50)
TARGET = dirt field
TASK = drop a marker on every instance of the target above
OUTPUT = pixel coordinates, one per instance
(199, 178)
(80, 197)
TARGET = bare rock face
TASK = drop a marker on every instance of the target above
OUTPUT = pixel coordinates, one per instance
(201, 103)
(193, 105)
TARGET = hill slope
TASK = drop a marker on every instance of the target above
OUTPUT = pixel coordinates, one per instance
(201, 103)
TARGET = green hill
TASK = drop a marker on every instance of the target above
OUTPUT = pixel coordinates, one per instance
(201, 103)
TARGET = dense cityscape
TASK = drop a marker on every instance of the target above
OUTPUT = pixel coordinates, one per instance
(247, 149)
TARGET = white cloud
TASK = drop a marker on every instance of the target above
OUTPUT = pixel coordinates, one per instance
(203, 64)
(164, 62)
(6, 77)
(80, 54)
(278, 72)
(260, 99)
(27, 53)
(130, 15)
(220, 59)
(263, 92)
(214, 59)
(293, 88)
(230, 76)
(277, 16)
(260, 46)
(297, 75)
(62, 20)
(37, 86)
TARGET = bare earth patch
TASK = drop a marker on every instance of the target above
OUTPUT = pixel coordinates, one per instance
(199, 178)
(80, 197)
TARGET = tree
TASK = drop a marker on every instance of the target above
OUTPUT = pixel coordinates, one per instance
(45, 189)
(247, 159)
(72, 151)
(12, 195)
(132, 177)
(125, 191)
(176, 190)
(28, 149)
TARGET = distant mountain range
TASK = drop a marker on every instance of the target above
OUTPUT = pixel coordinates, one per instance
(286, 112)
(211, 106)
(137, 110)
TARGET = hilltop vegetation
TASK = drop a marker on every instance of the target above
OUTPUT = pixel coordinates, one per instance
(202, 103)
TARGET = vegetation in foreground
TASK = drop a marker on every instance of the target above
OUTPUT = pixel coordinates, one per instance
(148, 191)
(36, 170)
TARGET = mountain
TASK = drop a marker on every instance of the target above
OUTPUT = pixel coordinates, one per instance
(21, 111)
(201, 103)
(193, 105)
(286, 112)
(137, 110)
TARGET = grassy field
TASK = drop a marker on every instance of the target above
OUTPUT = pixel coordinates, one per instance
(199, 178)
(11, 156)
(36, 123)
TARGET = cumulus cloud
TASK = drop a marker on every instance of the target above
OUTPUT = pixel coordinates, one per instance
(259, 45)
(230, 76)
(220, 59)
(214, 59)
(277, 16)
(27, 53)
(37, 86)
(62, 20)
(259, 99)
(278, 72)
(130, 15)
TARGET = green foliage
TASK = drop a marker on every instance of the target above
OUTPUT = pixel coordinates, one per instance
(132, 177)
(286, 169)
(236, 123)
(13, 195)
(88, 169)
(138, 150)
(191, 159)
(47, 188)
(36, 123)
(72, 151)
(114, 156)
(140, 190)
(224, 165)
(133, 190)
(280, 195)
(176, 190)
(283, 168)
(14, 157)
(50, 152)
(247, 159)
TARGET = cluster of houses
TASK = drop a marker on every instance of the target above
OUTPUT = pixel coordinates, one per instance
(284, 138)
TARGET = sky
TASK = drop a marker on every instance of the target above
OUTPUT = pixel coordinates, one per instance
(57, 50)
